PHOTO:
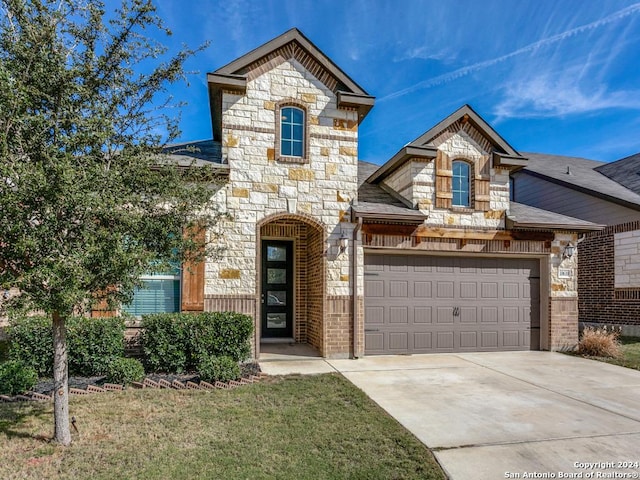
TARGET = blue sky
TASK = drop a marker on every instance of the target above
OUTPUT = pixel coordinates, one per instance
(551, 76)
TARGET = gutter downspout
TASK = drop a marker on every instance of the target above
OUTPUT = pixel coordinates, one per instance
(354, 263)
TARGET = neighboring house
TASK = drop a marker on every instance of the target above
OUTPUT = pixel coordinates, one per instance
(425, 253)
(604, 193)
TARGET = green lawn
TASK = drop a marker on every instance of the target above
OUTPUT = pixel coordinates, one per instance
(630, 353)
(311, 427)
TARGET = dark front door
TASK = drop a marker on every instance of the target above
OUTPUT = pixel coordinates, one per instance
(277, 289)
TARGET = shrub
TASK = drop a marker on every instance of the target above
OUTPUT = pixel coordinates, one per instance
(31, 342)
(124, 371)
(223, 369)
(164, 341)
(176, 342)
(91, 343)
(94, 343)
(600, 342)
(221, 334)
(16, 377)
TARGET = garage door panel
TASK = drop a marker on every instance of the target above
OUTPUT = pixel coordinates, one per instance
(422, 341)
(511, 338)
(489, 339)
(423, 304)
(444, 340)
(468, 315)
(374, 288)
(398, 288)
(511, 314)
(423, 264)
(398, 315)
(422, 289)
(489, 315)
(444, 315)
(469, 340)
(489, 290)
(511, 290)
(445, 289)
(374, 315)
(374, 342)
(468, 290)
(422, 314)
(398, 341)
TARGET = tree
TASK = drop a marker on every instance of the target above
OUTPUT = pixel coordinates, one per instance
(87, 199)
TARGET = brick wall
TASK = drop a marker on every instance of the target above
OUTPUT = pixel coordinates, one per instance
(599, 300)
(563, 323)
(315, 284)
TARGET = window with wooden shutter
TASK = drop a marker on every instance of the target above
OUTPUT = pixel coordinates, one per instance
(482, 192)
(193, 281)
(444, 174)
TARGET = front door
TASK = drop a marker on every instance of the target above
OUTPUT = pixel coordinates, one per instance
(277, 289)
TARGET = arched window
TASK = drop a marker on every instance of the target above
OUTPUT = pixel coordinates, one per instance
(461, 187)
(292, 132)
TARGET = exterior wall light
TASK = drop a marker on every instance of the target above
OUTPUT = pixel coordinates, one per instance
(344, 242)
(569, 251)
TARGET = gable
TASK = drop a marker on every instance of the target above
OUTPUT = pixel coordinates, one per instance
(468, 126)
(290, 46)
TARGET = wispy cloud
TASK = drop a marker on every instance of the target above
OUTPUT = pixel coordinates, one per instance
(544, 96)
(464, 71)
(426, 53)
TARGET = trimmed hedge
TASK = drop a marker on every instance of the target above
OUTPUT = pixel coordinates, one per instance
(176, 342)
(92, 343)
(124, 371)
(16, 377)
(223, 369)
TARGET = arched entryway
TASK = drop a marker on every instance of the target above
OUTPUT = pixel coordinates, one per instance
(291, 280)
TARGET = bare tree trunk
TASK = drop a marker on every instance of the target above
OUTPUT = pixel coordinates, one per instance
(61, 382)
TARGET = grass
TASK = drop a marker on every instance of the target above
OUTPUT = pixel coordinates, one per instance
(630, 348)
(311, 427)
(630, 354)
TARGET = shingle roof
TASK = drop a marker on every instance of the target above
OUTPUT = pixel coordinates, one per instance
(580, 174)
(525, 216)
(198, 153)
(374, 201)
(625, 171)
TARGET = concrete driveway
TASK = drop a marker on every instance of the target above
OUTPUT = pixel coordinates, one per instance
(501, 415)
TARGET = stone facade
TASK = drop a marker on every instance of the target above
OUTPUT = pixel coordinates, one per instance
(311, 200)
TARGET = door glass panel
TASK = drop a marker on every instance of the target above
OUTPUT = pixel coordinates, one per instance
(276, 320)
(276, 297)
(276, 254)
(276, 275)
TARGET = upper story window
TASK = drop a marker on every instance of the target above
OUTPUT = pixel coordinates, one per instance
(461, 187)
(292, 132)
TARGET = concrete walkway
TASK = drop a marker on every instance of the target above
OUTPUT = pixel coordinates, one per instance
(501, 415)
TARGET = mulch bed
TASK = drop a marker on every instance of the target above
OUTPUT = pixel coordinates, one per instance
(45, 386)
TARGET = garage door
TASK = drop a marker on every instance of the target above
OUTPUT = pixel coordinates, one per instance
(432, 304)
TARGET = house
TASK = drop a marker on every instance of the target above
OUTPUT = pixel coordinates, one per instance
(425, 253)
(604, 193)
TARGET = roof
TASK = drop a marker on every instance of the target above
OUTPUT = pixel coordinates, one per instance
(586, 176)
(374, 202)
(503, 153)
(625, 171)
(525, 216)
(198, 153)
